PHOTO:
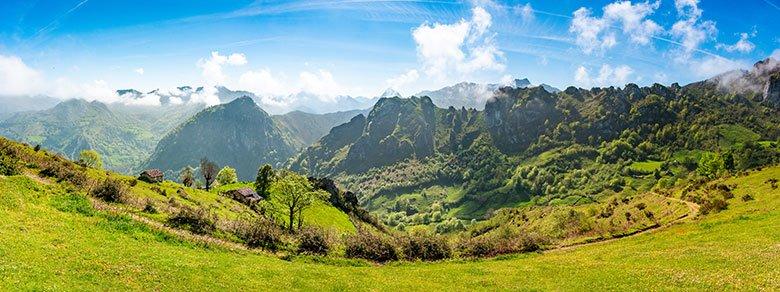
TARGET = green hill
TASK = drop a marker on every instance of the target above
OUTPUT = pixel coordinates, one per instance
(239, 134)
(123, 135)
(529, 145)
(100, 249)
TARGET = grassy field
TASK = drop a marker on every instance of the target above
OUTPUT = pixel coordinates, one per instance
(53, 240)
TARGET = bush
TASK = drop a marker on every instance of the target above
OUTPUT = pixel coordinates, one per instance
(713, 206)
(9, 165)
(259, 233)
(368, 246)
(313, 240)
(111, 190)
(63, 171)
(425, 247)
(489, 246)
(196, 220)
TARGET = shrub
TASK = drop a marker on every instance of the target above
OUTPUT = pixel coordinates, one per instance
(368, 246)
(713, 206)
(111, 190)
(259, 233)
(489, 246)
(9, 165)
(425, 247)
(313, 240)
(197, 220)
(149, 207)
(63, 171)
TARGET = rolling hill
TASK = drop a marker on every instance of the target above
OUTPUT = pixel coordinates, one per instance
(98, 248)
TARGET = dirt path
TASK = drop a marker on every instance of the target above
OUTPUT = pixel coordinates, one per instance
(693, 211)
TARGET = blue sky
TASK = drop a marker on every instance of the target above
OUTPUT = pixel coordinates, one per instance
(88, 47)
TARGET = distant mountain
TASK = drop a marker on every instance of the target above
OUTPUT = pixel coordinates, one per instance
(75, 125)
(473, 95)
(305, 128)
(301, 101)
(239, 134)
(17, 103)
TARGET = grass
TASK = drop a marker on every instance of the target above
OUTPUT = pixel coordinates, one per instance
(43, 247)
(646, 166)
(735, 134)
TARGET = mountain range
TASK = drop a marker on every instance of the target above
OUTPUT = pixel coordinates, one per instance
(585, 137)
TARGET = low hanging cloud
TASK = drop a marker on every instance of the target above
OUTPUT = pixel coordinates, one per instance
(212, 66)
(607, 76)
(262, 82)
(404, 79)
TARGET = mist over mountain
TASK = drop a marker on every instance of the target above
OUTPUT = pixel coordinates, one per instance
(473, 95)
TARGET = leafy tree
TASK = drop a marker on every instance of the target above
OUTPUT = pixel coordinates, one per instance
(187, 176)
(265, 176)
(294, 194)
(90, 158)
(227, 176)
(208, 170)
(710, 165)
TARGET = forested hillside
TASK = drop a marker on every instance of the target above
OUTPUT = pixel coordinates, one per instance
(528, 144)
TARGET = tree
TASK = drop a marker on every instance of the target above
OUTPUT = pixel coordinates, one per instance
(90, 158)
(294, 193)
(710, 165)
(265, 176)
(208, 170)
(227, 176)
(187, 176)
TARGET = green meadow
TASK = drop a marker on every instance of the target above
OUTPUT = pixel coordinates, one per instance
(53, 239)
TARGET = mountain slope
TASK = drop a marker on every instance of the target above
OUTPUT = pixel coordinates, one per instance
(305, 128)
(239, 134)
(75, 125)
(529, 144)
(98, 250)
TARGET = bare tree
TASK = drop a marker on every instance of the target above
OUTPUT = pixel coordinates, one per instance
(209, 171)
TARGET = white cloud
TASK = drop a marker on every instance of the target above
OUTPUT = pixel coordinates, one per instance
(207, 96)
(689, 30)
(595, 34)
(145, 100)
(139, 71)
(743, 45)
(404, 79)
(212, 67)
(321, 83)
(262, 82)
(633, 19)
(98, 90)
(16, 78)
(449, 51)
(710, 66)
(589, 31)
(526, 12)
(608, 76)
